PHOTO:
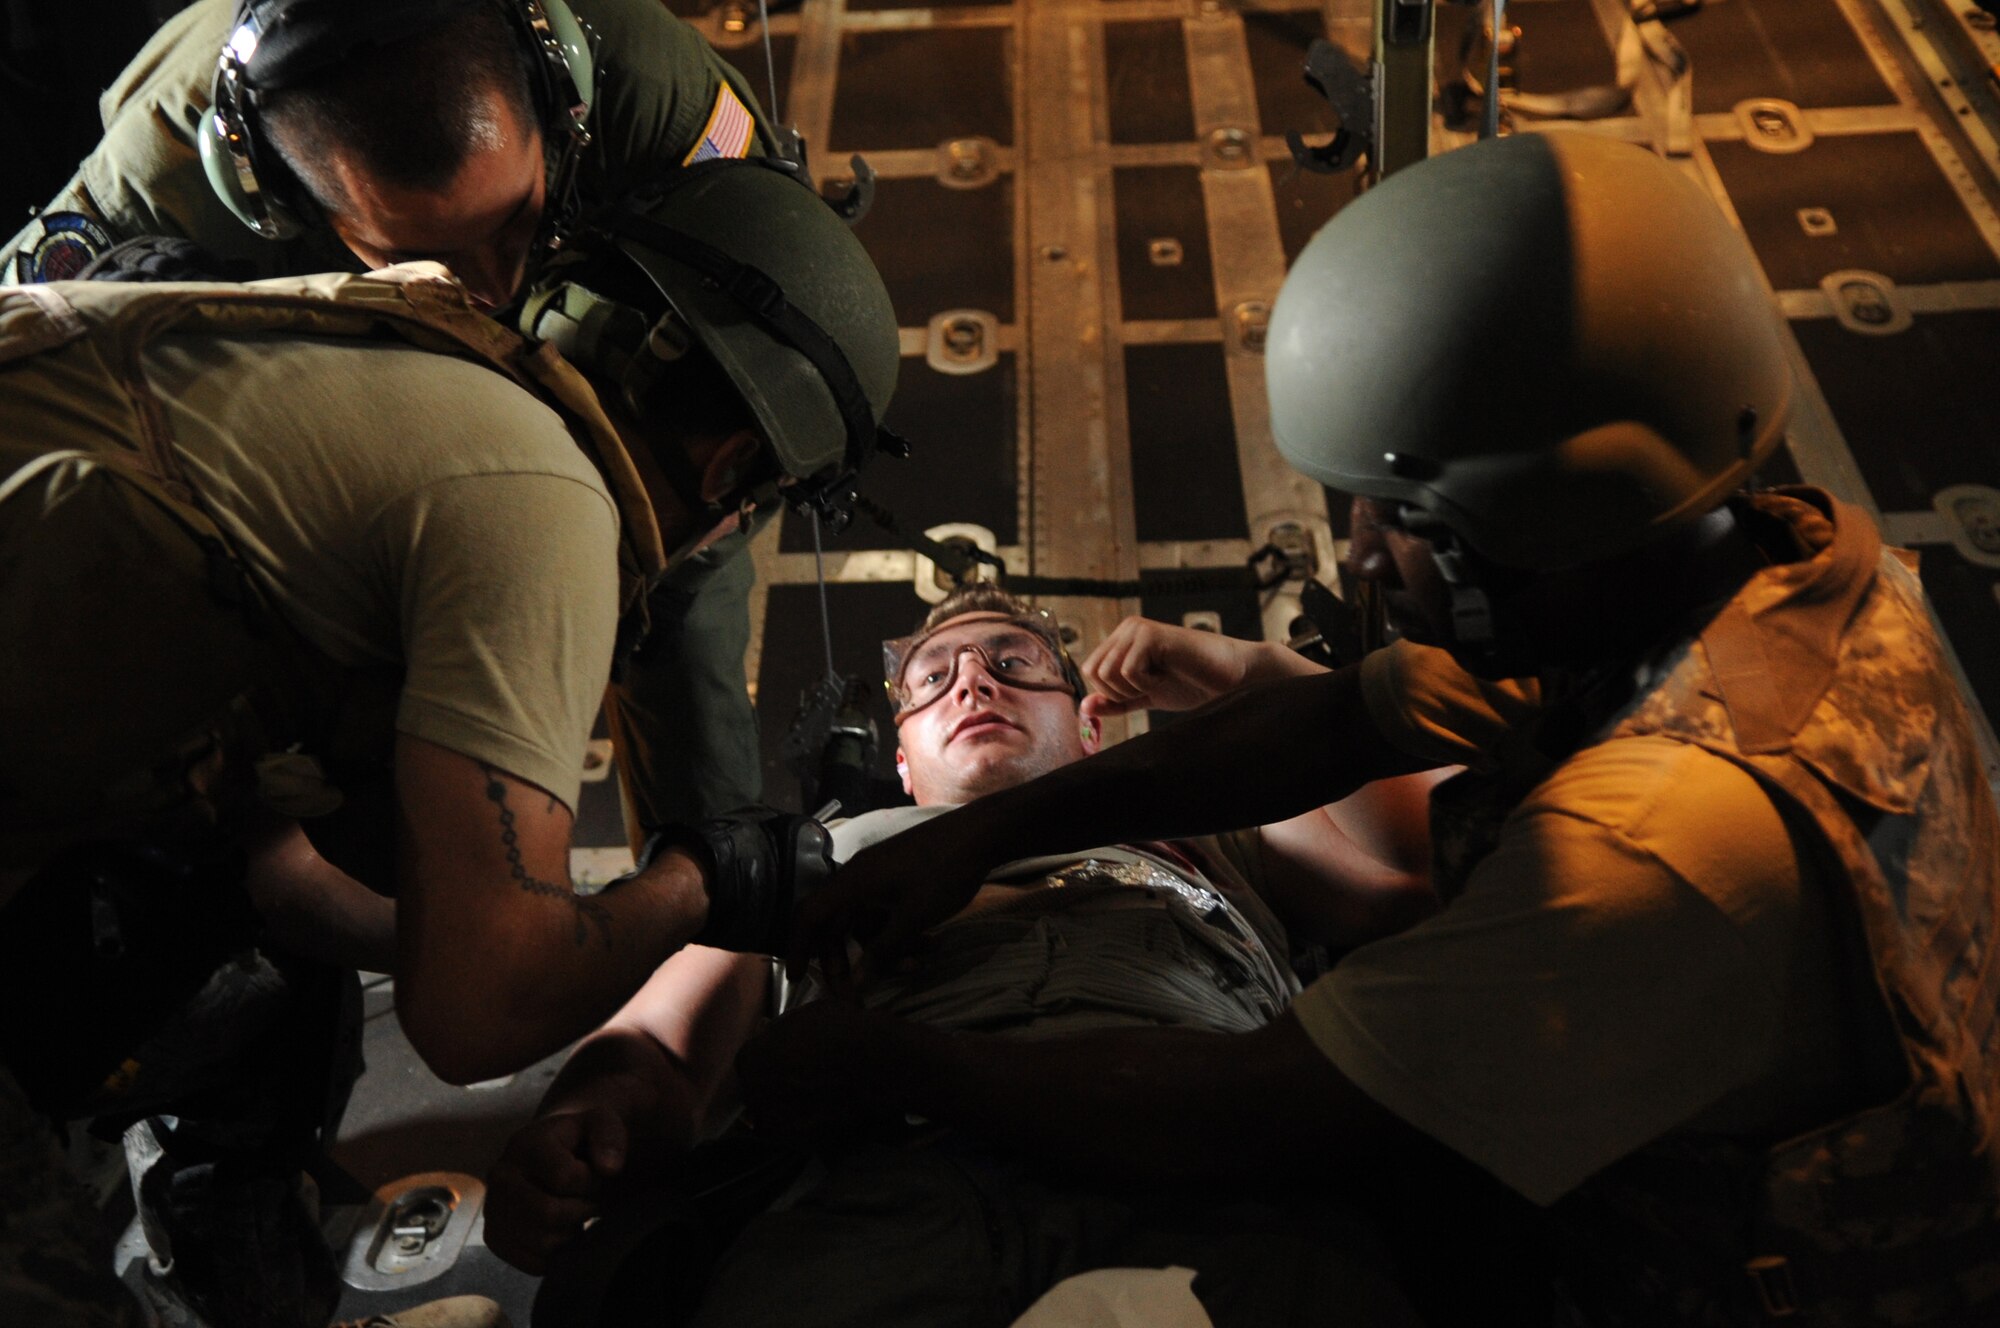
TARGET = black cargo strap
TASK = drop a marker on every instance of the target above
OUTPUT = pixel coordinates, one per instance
(1265, 568)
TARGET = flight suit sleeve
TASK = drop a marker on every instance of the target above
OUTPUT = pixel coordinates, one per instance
(665, 99)
(679, 711)
(145, 176)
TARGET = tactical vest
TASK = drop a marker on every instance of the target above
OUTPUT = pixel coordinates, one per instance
(148, 687)
(1889, 1216)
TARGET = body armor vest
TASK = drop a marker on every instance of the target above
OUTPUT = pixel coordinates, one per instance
(150, 679)
(1889, 1215)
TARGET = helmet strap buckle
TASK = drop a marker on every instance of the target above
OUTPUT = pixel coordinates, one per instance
(1471, 608)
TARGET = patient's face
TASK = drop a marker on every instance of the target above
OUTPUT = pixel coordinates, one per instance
(983, 735)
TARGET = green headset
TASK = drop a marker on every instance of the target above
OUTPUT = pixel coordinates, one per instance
(274, 44)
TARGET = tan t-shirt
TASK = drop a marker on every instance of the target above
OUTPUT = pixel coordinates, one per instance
(1637, 955)
(413, 511)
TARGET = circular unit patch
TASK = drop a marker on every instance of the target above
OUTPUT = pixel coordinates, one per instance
(69, 240)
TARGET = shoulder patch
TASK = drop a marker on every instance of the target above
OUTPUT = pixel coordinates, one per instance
(59, 245)
(727, 134)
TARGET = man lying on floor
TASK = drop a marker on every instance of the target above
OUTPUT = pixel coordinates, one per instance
(921, 1226)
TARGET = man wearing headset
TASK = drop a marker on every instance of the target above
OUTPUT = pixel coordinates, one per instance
(242, 596)
(297, 136)
(294, 136)
(1712, 990)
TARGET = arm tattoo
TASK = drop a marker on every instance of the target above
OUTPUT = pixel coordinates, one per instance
(585, 910)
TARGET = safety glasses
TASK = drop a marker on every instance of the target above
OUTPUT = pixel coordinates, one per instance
(1024, 652)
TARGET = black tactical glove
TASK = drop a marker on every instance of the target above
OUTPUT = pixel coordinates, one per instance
(759, 862)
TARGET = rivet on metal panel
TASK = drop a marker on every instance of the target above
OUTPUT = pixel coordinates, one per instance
(962, 341)
(1817, 221)
(1866, 302)
(1247, 325)
(1203, 620)
(1164, 251)
(1771, 124)
(968, 163)
(1231, 148)
(1972, 512)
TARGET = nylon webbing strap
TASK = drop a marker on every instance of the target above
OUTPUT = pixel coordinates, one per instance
(957, 560)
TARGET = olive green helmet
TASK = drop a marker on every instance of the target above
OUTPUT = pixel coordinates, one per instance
(747, 261)
(1555, 344)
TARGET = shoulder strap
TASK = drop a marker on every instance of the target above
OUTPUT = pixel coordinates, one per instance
(415, 302)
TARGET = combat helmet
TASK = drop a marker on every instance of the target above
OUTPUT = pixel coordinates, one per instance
(746, 261)
(1554, 344)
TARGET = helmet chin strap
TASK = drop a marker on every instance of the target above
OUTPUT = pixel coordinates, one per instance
(1471, 609)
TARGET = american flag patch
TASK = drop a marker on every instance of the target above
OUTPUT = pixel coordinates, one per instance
(729, 129)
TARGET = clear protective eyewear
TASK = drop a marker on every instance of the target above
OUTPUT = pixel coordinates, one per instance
(1025, 653)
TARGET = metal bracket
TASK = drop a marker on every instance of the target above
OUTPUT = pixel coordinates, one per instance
(413, 1231)
(1351, 91)
(850, 198)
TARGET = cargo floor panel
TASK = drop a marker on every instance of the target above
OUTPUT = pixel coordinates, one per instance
(923, 87)
(1277, 44)
(1186, 483)
(794, 661)
(964, 463)
(942, 248)
(1305, 201)
(1146, 82)
(1917, 408)
(1892, 209)
(1164, 268)
(916, 4)
(1801, 51)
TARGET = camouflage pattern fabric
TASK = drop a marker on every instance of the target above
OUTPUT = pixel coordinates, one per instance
(1890, 1216)
(55, 1266)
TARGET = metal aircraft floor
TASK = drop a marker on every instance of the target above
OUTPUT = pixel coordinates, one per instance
(1106, 179)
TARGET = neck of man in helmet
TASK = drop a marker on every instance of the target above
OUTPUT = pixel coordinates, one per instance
(1573, 623)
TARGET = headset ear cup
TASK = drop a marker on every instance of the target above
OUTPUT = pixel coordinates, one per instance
(569, 35)
(225, 170)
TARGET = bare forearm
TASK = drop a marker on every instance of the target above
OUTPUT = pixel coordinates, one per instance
(1259, 755)
(538, 967)
(626, 1072)
(313, 909)
(1269, 661)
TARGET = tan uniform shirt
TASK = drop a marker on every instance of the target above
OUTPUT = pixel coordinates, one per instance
(412, 511)
(1636, 955)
